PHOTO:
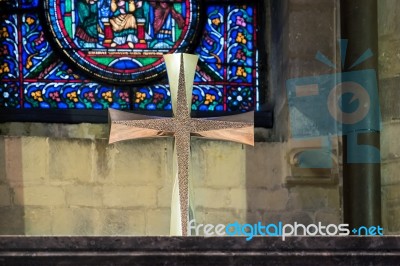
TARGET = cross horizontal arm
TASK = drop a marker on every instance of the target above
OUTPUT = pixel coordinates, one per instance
(160, 124)
(124, 126)
(238, 128)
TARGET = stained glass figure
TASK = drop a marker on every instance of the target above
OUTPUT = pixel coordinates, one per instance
(121, 41)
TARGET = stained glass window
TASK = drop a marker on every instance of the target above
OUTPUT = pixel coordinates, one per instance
(36, 72)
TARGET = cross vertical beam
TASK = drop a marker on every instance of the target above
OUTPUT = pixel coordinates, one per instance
(237, 128)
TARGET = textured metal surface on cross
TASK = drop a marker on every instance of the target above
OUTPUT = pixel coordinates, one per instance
(237, 128)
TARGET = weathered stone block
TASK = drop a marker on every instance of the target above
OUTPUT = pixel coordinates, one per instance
(272, 216)
(2, 161)
(164, 196)
(212, 198)
(390, 150)
(158, 222)
(5, 196)
(393, 221)
(78, 195)
(140, 162)
(262, 199)
(70, 159)
(389, 173)
(388, 94)
(13, 160)
(391, 192)
(265, 165)
(389, 54)
(102, 161)
(328, 217)
(237, 199)
(217, 164)
(35, 160)
(334, 198)
(313, 198)
(390, 208)
(12, 221)
(89, 131)
(306, 66)
(38, 220)
(303, 43)
(39, 196)
(388, 18)
(254, 216)
(234, 198)
(128, 196)
(300, 217)
(76, 221)
(122, 222)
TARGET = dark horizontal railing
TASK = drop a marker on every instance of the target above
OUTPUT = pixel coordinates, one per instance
(337, 251)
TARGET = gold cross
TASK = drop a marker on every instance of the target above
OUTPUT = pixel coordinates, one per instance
(181, 69)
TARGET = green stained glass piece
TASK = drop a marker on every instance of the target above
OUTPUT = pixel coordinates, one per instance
(103, 60)
(68, 25)
(68, 6)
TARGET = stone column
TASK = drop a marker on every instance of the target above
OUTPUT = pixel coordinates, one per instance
(361, 179)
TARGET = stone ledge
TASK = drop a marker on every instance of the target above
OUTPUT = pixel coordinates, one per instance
(92, 124)
(21, 250)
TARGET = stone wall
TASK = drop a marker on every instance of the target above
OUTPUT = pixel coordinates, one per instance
(64, 186)
(54, 186)
(389, 74)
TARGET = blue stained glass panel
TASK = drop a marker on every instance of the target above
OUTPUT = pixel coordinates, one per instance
(226, 78)
(29, 3)
(74, 96)
(9, 55)
(241, 36)
(155, 97)
(240, 98)
(240, 74)
(10, 95)
(36, 50)
(211, 48)
(208, 98)
(61, 71)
